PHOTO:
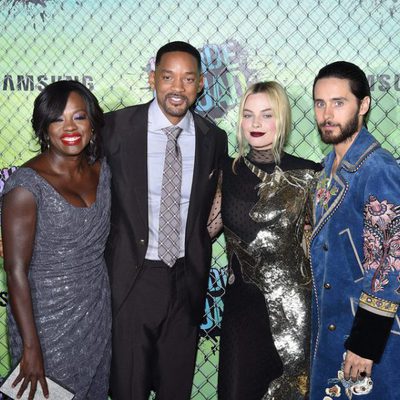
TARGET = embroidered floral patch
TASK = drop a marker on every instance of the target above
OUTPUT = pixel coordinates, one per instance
(324, 192)
(359, 387)
(381, 241)
(333, 391)
(380, 214)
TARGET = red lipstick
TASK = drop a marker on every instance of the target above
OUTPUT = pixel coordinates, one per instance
(72, 139)
(257, 134)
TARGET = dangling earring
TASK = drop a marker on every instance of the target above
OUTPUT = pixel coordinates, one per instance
(92, 145)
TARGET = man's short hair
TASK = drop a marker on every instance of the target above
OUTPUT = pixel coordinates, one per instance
(179, 46)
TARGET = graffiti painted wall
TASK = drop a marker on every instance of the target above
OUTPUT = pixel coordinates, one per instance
(110, 46)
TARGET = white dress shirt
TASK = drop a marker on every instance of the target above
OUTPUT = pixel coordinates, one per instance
(156, 144)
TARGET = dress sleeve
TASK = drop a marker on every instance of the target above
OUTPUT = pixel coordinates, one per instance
(380, 298)
(215, 224)
(25, 178)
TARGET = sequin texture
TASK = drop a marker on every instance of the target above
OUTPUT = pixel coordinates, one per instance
(269, 257)
(69, 286)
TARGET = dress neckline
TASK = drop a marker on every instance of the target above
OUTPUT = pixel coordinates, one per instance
(261, 156)
(47, 183)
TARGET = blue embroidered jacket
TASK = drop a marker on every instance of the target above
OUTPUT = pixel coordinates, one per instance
(355, 256)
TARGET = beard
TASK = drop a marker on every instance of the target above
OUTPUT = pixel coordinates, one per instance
(176, 111)
(346, 131)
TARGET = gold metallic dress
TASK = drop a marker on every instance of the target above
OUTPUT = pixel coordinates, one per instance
(266, 324)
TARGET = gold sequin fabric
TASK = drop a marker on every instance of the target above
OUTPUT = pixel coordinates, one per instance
(274, 262)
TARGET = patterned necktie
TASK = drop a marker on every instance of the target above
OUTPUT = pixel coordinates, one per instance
(170, 218)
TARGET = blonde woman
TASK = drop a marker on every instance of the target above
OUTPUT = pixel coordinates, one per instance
(265, 329)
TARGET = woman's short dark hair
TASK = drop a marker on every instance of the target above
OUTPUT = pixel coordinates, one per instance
(50, 104)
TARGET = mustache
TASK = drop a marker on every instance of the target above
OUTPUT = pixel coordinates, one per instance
(328, 123)
(180, 96)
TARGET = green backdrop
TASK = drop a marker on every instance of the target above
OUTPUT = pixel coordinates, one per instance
(110, 45)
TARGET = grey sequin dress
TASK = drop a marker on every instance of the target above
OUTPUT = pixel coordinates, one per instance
(69, 286)
(264, 352)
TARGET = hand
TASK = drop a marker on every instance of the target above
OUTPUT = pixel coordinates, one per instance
(356, 367)
(31, 371)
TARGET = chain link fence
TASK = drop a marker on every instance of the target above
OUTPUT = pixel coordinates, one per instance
(110, 46)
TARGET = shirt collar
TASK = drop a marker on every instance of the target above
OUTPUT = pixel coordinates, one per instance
(158, 121)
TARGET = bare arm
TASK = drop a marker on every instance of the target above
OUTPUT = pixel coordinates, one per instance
(18, 232)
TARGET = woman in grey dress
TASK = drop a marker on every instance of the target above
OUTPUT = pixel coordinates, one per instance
(55, 222)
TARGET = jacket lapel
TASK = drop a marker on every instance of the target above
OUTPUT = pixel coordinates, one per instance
(362, 147)
(135, 162)
(202, 163)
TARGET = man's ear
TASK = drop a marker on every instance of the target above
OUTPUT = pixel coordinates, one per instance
(201, 83)
(365, 104)
(152, 79)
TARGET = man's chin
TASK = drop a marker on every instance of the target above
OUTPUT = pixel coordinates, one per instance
(176, 111)
(328, 136)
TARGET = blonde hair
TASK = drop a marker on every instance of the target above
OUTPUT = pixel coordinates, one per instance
(281, 110)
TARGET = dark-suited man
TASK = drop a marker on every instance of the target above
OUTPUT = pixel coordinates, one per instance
(158, 298)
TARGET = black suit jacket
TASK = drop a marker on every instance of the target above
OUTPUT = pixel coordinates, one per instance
(125, 142)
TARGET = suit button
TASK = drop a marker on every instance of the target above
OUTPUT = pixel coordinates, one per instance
(327, 285)
(141, 241)
(332, 327)
(325, 247)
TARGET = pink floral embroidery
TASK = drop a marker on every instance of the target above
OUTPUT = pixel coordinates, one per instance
(379, 283)
(394, 263)
(372, 250)
(380, 213)
(320, 194)
(394, 249)
(381, 241)
(324, 193)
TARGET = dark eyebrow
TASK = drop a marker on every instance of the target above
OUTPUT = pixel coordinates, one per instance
(333, 98)
(168, 71)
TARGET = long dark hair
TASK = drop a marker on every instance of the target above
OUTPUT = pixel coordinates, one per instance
(50, 104)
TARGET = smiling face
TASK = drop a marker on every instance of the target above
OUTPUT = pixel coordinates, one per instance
(177, 81)
(70, 133)
(258, 121)
(338, 112)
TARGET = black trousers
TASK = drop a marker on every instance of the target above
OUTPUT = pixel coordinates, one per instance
(161, 339)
